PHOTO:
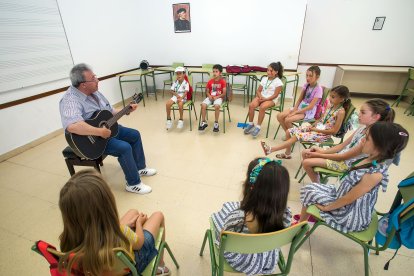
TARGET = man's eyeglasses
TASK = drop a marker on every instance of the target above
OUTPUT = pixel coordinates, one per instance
(95, 79)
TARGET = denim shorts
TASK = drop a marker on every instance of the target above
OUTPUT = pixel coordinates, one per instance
(147, 252)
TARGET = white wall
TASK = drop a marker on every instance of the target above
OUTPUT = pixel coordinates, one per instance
(227, 32)
(340, 32)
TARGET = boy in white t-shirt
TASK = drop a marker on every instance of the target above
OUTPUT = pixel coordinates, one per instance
(179, 90)
(266, 96)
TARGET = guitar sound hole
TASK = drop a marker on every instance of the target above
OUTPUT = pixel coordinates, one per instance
(104, 124)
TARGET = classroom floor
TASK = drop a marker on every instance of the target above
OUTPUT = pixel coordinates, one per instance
(197, 173)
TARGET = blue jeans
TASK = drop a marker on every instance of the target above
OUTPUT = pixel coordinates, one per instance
(127, 146)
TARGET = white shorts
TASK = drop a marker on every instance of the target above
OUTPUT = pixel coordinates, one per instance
(174, 99)
(218, 101)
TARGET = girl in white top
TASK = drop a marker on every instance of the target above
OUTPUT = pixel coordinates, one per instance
(266, 96)
(179, 90)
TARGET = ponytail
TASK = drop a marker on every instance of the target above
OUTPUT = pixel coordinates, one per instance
(346, 105)
(381, 107)
(277, 66)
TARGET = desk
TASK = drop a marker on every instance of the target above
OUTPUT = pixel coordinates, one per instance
(372, 79)
(137, 73)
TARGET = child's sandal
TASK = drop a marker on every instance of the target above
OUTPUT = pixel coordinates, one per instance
(266, 148)
(283, 156)
(163, 271)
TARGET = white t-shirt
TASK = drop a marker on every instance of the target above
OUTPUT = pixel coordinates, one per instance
(180, 88)
(269, 86)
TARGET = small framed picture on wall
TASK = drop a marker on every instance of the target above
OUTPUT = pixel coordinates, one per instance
(181, 16)
(378, 23)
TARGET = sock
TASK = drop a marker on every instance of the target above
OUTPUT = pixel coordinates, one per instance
(258, 126)
(250, 123)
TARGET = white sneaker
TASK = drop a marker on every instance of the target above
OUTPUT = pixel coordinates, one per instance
(180, 124)
(168, 125)
(147, 172)
(140, 188)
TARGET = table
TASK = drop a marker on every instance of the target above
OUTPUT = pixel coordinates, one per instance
(372, 79)
(137, 73)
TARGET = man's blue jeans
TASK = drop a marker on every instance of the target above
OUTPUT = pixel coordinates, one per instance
(127, 146)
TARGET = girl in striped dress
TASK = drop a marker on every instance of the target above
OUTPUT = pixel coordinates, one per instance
(342, 156)
(320, 131)
(350, 208)
(262, 210)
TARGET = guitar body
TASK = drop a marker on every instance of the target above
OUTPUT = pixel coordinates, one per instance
(92, 147)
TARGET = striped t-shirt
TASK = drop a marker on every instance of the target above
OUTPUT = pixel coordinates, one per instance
(231, 218)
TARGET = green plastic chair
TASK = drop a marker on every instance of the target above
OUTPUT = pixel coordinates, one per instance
(252, 243)
(169, 82)
(125, 261)
(202, 85)
(330, 142)
(188, 105)
(224, 106)
(240, 87)
(276, 108)
(406, 91)
(300, 122)
(365, 238)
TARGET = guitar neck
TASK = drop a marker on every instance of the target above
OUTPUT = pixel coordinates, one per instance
(118, 115)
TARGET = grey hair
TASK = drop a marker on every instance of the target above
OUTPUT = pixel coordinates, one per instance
(76, 74)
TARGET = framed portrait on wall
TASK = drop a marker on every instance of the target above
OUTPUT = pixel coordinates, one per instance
(181, 16)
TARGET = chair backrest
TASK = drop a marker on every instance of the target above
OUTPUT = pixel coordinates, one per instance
(345, 123)
(283, 93)
(411, 73)
(256, 243)
(124, 261)
(207, 66)
(325, 94)
(177, 64)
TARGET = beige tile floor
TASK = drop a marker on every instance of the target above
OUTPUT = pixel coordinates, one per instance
(197, 172)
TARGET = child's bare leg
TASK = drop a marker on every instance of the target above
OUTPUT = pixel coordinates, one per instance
(168, 108)
(290, 120)
(254, 103)
(180, 109)
(281, 118)
(285, 145)
(262, 109)
(217, 111)
(303, 215)
(129, 218)
(310, 163)
(203, 112)
(152, 225)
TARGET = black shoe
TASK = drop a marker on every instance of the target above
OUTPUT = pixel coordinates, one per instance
(202, 126)
(216, 127)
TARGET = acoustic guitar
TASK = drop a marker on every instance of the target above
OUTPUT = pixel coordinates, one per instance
(90, 146)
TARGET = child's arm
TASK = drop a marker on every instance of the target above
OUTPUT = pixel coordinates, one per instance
(353, 152)
(309, 107)
(366, 184)
(339, 119)
(275, 94)
(301, 96)
(259, 92)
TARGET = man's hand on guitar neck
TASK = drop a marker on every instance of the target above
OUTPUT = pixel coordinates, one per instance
(132, 109)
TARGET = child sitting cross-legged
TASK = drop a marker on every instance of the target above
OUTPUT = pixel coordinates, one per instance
(349, 208)
(92, 228)
(263, 209)
(320, 131)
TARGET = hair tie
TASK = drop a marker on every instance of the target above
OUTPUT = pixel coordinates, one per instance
(403, 134)
(388, 108)
(374, 163)
(258, 168)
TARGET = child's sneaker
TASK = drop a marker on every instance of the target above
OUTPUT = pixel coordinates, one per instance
(140, 188)
(216, 127)
(180, 124)
(255, 132)
(203, 126)
(248, 129)
(168, 124)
